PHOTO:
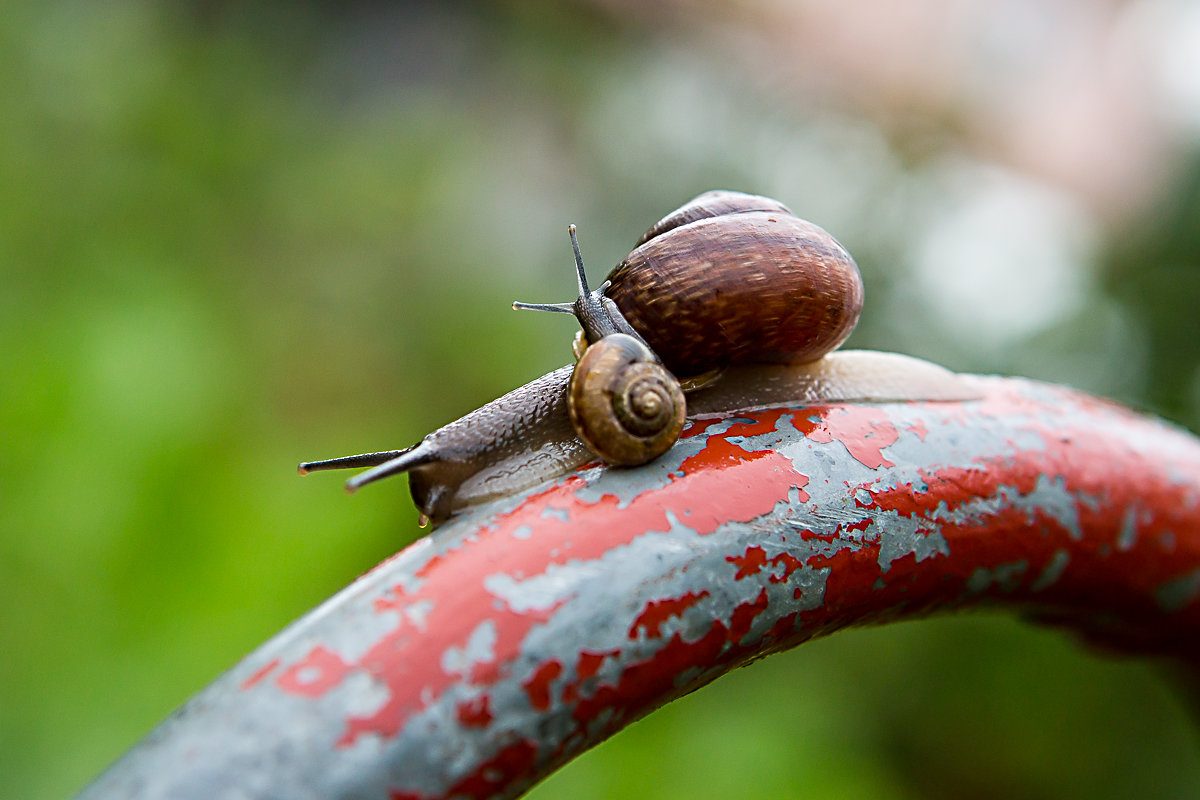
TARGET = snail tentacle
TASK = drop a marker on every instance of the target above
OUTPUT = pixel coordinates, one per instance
(403, 461)
(350, 462)
(598, 315)
(568, 308)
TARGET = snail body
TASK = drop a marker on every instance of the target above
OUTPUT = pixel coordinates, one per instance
(732, 293)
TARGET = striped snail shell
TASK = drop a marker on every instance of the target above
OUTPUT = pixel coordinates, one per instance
(624, 403)
(733, 278)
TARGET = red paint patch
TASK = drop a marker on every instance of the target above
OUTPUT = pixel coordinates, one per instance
(918, 428)
(755, 558)
(652, 680)
(474, 713)
(394, 597)
(586, 667)
(800, 482)
(858, 525)
(739, 486)
(315, 674)
(864, 431)
(758, 423)
(657, 612)
(489, 779)
(538, 686)
(790, 564)
(646, 685)
(414, 682)
(744, 616)
(749, 563)
(259, 674)
(497, 772)
(698, 426)
(589, 664)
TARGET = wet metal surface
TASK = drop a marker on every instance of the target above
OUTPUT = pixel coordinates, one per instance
(523, 631)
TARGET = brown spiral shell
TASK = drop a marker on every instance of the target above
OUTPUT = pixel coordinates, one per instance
(623, 403)
(716, 203)
(735, 279)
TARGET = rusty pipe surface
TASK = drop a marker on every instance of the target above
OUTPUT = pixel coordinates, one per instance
(523, 632)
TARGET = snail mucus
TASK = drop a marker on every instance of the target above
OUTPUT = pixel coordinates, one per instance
(730, 303)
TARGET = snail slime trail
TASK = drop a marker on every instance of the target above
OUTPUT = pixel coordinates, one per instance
(728, 303)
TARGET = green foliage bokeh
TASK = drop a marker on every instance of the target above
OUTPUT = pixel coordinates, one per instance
(233, 240)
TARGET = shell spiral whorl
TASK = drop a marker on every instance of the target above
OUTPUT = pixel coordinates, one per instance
(623, 403)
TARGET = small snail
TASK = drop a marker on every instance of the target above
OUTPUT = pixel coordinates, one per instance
(622, 402)
(732, 294)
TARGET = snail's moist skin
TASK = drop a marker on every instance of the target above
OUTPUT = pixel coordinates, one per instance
(527, 436)
(498, 447)
(525, 630)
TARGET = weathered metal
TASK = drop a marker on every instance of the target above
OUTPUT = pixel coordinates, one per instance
(524, 631)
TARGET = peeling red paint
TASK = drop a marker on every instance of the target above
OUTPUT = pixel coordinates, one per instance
(744, 616)
(538, 686)
(393, 598)
(590, 663)
(495, 773)
(475, 713)
(758, 423)
(586, 667)
(753, 482)
(695, 427)
(749, 563)
(789, 563)
(656, 612)
(413, 682)
(503, 769)
(314, 674)
(642, 683)
(259, 674)
(755, 558)
(1034, 497)
(864, 430)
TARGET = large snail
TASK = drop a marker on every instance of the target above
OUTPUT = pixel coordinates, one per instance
(730, 299)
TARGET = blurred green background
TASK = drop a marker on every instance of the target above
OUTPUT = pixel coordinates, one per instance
(235, 236)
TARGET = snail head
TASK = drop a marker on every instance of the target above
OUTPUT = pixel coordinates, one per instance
(597, 314)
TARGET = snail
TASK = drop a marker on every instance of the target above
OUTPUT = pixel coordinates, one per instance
(622, 401)
(729, 303)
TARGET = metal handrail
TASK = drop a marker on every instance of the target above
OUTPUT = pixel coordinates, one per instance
(522, 632)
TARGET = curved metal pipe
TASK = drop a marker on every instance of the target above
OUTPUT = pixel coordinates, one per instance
(522, 632)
